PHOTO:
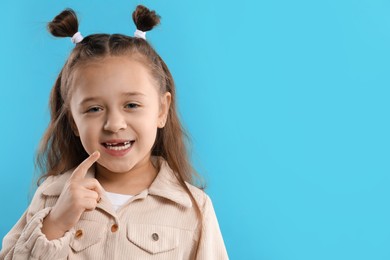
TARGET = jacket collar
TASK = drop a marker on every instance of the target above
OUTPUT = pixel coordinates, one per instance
(164, 185)
(167, 186)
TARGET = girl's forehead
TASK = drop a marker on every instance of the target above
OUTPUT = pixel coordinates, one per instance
(121, 65)
(113, 74)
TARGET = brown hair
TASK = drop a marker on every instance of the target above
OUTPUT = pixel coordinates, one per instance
(60, 149)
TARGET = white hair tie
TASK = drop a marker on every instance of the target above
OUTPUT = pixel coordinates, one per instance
(77, 37)
(140, 34)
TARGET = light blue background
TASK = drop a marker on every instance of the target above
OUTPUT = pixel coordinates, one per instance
(287, 103)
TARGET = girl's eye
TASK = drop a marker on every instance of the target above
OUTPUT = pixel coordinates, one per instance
(93, 110)
(132, 105)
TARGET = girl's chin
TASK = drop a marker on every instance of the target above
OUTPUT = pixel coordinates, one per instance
(124, 165)
(114, 168)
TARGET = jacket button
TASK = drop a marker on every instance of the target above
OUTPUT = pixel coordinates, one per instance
(114, 228)
(79, 233)
(155, 236)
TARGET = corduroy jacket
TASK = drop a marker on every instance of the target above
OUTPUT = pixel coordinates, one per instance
(158, 223)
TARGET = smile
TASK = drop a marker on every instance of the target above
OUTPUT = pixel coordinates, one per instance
(118, 146)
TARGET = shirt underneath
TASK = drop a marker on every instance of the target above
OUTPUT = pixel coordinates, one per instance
(118, 200)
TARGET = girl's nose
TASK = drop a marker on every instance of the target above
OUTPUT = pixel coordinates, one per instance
(115, 122)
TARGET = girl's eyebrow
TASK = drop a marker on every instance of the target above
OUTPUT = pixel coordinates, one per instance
(126, 94)
(86, 100)
(129, 94)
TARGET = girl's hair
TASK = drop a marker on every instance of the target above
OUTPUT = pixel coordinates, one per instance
(60, 149)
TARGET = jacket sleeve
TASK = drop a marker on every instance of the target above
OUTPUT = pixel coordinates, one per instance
(26, 240)
(211, 245)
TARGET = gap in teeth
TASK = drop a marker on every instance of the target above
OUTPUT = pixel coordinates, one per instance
(124, 143)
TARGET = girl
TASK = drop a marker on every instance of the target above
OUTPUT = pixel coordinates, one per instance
(118, 179)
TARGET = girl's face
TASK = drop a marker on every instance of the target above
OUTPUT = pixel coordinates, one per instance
(117, 108)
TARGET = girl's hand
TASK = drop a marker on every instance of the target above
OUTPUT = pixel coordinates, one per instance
(78, 195)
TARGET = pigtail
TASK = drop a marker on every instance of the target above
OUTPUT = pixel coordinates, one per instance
(64, 24)
(145, 19)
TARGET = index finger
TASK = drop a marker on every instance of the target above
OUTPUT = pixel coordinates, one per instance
(81, 170)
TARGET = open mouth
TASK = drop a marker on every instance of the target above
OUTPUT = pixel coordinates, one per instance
(118, 146)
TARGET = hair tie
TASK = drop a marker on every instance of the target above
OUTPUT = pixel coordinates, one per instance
(140, 34)
(77, 37)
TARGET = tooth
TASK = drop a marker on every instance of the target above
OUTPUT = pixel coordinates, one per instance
(118, 148)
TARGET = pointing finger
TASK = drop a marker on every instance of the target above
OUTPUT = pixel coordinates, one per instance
(81, 170)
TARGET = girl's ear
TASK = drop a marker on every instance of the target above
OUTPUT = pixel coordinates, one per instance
(164, 109)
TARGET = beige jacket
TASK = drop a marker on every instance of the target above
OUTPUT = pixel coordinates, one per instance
(158, 223)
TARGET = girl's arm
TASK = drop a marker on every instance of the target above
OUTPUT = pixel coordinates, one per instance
(34, 238)
(211, 245)
(26, 240)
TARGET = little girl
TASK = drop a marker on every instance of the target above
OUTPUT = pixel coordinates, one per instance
(118, 178)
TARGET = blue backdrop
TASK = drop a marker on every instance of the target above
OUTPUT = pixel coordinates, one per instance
(287, 103)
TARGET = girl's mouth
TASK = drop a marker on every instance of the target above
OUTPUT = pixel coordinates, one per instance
(118, 146)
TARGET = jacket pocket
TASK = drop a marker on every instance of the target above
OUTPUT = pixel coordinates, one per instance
(153, 239)
(87, 233)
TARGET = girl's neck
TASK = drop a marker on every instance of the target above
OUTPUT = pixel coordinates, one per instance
(132, 182)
